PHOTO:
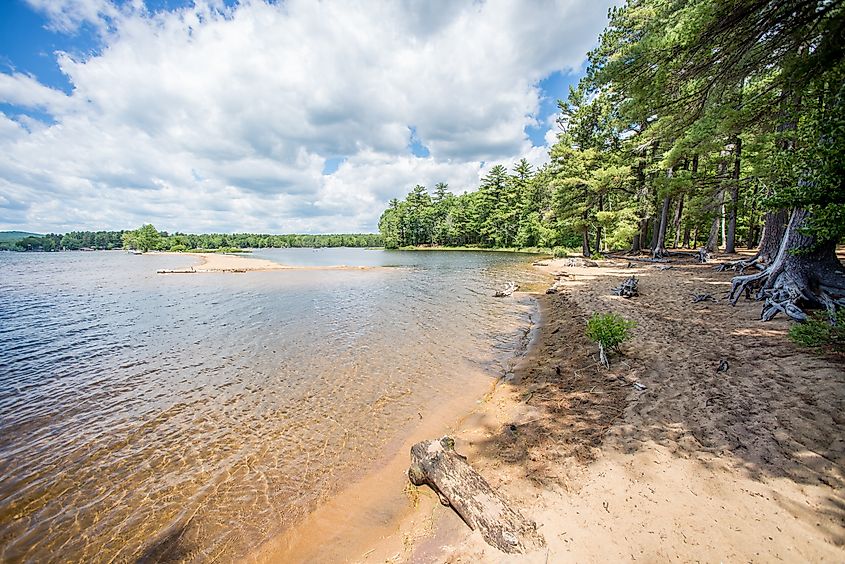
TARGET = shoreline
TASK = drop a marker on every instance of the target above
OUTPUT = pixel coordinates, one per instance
(745, 465)
(375, 513)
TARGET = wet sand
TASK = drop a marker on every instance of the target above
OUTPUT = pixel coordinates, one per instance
(745, 465)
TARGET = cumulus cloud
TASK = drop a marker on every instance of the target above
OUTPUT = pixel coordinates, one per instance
(222, 118)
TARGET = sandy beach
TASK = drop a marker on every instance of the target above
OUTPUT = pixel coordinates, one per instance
(220, 262)
(742, 465)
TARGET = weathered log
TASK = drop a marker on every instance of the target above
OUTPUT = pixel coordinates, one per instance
(642, 259)
(577, 262)
(628, 288)
(507, 290)
(436, 464)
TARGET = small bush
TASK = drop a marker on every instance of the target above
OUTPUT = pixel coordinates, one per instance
(178, 249)
(597, 256)
(563, 252)
(817, 332)
(609, 330)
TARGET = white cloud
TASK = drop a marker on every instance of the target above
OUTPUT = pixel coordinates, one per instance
(214, 118)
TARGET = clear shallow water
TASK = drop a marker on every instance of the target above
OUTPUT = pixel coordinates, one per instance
(193, 417)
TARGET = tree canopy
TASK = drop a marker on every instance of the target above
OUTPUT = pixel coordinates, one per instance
(713, 123)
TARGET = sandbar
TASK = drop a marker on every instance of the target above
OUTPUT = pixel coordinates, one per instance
(220, 262)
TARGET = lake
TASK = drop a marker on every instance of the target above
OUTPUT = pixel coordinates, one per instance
(192, 417)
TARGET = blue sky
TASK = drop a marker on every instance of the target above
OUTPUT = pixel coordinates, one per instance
(258, 116)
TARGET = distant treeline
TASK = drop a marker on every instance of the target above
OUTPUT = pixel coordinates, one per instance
(148, 238)
(72, 241)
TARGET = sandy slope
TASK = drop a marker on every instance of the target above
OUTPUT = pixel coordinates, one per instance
(745, 465)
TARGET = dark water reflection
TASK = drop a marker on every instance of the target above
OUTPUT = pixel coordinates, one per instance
(192, 417)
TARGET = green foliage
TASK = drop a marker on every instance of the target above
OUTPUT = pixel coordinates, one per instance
(563, 252)
(609, 330)
(818, 332)
(145, 238)
(719, 111)
(148, 238)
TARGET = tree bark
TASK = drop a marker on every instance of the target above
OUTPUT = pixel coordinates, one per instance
(730, 240)
(598, 226)
(655, 228)
(793, 281)
(436, 464)
(641, 236)
(713, 240)
(753, 222)
(585, 242)
(773, 230)
(659, 249)
(676, 224)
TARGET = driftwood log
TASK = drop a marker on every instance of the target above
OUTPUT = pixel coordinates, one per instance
(436, 464)
(507, 290)
(628, 288)
(577, 262)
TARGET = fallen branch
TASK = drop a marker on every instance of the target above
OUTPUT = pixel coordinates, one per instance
(628, 288)
(702, 298)
(642, 259)
(436, 464)
(506, 291)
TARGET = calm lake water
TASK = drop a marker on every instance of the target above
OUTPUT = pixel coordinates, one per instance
(190, 418)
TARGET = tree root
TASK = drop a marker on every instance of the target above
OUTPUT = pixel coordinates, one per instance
(783, 291)
(805, 273)
(739, 266)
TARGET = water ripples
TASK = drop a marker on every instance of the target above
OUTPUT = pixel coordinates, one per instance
(190, 418)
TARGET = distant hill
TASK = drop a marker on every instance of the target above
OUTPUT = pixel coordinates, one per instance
(12, 236)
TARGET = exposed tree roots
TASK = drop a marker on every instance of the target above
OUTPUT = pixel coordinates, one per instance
(796, 281)
(740, 266)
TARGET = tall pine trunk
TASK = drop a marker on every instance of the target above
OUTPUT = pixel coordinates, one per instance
(730, 240)
(773, 230)
(598, 226)
(713, 239)
(676, 224)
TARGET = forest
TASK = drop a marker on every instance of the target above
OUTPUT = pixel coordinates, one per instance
(699, 123)
(147, 238)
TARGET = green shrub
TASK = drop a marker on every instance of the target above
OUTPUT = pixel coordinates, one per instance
(597, 256)
(609, 330)
(178, 249)
(817, 332)
(563, 252)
